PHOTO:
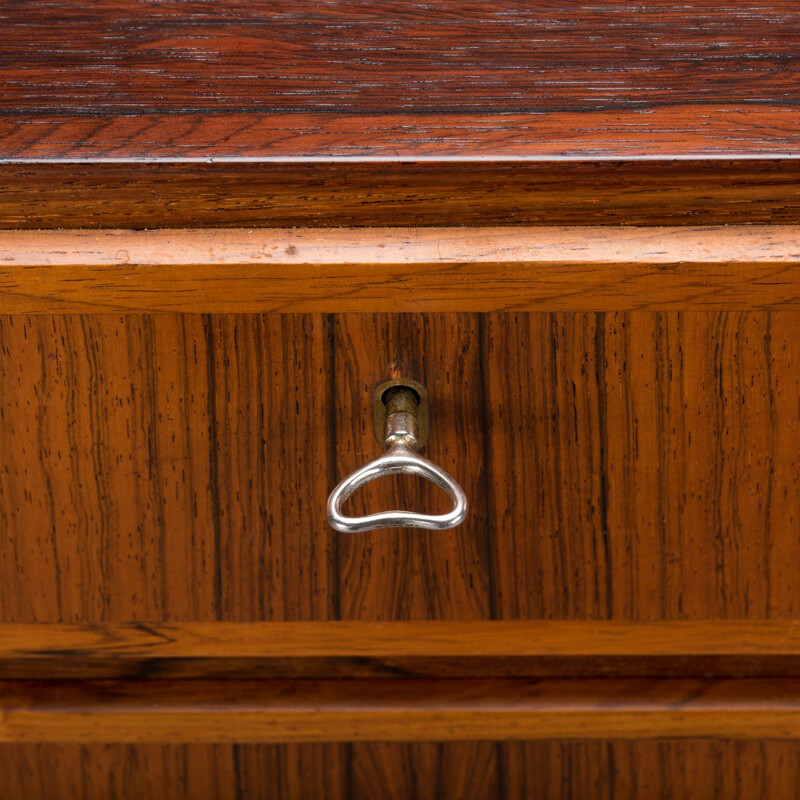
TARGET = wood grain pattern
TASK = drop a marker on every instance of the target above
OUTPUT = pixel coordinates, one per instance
(400, 269)
(89, 532)
(622, 466)
(269, 421)
(723, 130)
(404, 79)
(424, 770)
(385, 710)
(637, 466)
(466, 192)
(710, 648)
(412, 55)
(403, 574)
(204, 772)
(679, 769)
(651, 462)
(142, 475)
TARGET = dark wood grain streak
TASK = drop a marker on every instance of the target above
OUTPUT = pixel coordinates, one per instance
(425, 770)
(588, 192)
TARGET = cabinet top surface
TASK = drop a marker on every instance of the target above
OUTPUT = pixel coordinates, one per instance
(402, 80)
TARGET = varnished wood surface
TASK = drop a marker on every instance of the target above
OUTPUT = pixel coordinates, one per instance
(709, 648)
(158, 711)
(624, 466)
(160, 498)
(401, 269)
(439, 574)
(173, 772)
(556, 770)
(404, 79)
(721, 131)
(638, 466)
(319, 193)
(657, 455)
(467, 56)
(679, 770)
(531, 638)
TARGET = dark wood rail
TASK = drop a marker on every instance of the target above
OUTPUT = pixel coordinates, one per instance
(132, 193)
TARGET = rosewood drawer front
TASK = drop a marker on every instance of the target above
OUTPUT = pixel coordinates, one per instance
(625, 466)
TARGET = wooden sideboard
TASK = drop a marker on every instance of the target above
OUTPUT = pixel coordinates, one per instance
(223, 225)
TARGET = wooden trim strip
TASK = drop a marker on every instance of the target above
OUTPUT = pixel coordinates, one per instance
(325, 246)
(463, 638)
(395, 649)
(363, 193)
(316, 711)
(400, 269)
(666, 132)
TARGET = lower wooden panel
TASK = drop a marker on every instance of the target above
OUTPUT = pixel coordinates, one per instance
(678, 770)
(557, 770)
(174, 772)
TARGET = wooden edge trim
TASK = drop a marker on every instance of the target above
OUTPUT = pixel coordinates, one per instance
(319, 193)
(463, 638)
(400, 649)
(400, 269)
(316, 711)
(418, 245)
(676, 131)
